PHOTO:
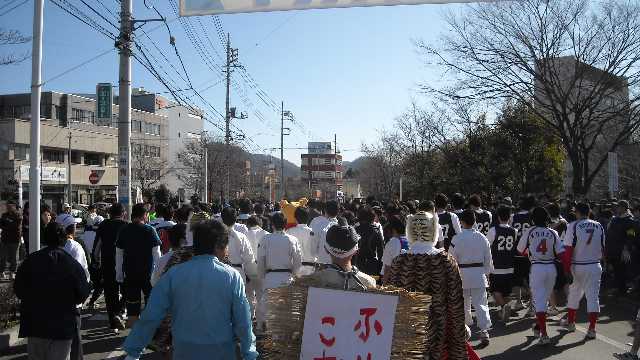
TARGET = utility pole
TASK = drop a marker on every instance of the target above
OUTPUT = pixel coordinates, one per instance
(282, 181)
(284, 115)
(124, 105)
(34, 151)
(69, 190)
(206, 179)
(232, 59)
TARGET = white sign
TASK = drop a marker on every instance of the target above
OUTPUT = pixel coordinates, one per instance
(360, 328)
(46, 173)
(212, 7)
(319, 148)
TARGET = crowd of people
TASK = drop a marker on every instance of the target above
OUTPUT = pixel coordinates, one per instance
(192, 281)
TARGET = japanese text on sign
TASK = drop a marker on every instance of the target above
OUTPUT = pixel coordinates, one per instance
(361, 328)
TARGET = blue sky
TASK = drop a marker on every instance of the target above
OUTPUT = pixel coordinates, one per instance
(344, 71)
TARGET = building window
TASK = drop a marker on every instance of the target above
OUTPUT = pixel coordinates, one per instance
(53, 156)
(304, 161)
(93, 159)
(136, 126)
(328, 161)
(20, 152)
(76, 158)
(152, 129)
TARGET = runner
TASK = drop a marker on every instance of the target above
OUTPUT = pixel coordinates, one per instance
(543, 246)
(503, 250)
(449, 222)
(472, 251)
(584, 245)
(279, 259)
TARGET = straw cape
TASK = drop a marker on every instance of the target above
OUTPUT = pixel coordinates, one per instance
(285, 322)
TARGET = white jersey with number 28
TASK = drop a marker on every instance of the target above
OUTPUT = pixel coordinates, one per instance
(542, 244)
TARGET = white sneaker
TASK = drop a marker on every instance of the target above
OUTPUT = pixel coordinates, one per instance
(553, 311)
(544, 340)
(484, 338)
(591, 334)
(569, 327)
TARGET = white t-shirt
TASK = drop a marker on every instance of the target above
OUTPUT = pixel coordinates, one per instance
(391, 250)
(590, 241)
(74, 249)
(544, 244)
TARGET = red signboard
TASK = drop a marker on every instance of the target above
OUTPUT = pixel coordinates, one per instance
(94, 178)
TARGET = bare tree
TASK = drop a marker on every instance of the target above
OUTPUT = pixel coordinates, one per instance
(575, 64)
(148, 171)
(382, 169)
(13, 37)
(189, 167)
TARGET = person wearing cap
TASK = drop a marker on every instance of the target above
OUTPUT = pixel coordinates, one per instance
(50, 284)
(75, 249)
(621, 237)
(342, 244)
(137, 254)
(472, 251)
(11, 226)
(279, 259)
(71, 246)
(434, 272)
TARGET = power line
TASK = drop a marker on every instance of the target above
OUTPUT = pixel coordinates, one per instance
(78, 66)
(13, 8)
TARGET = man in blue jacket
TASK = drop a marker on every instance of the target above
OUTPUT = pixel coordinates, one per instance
(206, 300)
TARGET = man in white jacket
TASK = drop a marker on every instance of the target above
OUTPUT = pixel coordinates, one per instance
(308, 244)
(472, 251)
(279, 258)
(241, 254)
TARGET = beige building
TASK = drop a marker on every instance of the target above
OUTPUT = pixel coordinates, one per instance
(579, 84)
(68, 122)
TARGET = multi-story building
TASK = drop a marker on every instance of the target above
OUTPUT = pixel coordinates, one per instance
(184, 125)
(579, 84)
(321, 168)
(74, 145)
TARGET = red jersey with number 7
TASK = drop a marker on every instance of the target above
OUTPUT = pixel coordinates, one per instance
(541, 243)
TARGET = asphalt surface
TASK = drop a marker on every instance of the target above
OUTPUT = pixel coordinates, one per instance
(512, 341)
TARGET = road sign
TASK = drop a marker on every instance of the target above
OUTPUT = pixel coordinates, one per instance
(104, 93)
(94, 178)
(212, 7)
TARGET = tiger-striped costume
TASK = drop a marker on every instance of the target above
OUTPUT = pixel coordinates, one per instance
(436, 275)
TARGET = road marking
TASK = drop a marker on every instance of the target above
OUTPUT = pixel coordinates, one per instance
(605, 339)
(115, 355)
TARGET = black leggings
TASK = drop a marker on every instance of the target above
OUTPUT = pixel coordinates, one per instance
(132, 292)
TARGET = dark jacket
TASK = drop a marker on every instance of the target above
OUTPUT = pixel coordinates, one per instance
(50, 283)
(620, 233)
(11, 225)
(106, 236)
(370, 249)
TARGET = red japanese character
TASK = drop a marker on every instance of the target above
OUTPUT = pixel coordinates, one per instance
(367, 313)
(328, 342)
(368, 357)
(325, 357)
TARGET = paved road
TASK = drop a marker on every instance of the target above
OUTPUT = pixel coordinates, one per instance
(515, 341)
